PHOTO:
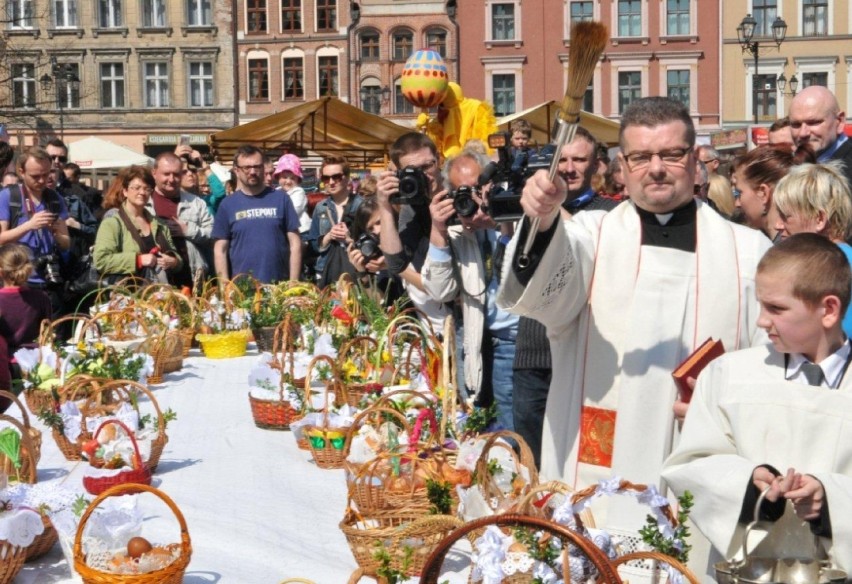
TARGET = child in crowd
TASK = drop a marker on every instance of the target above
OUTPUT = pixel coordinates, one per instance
(521, 131)
(778, 416)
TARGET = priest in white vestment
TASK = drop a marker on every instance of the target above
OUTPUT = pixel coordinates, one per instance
(625, 297)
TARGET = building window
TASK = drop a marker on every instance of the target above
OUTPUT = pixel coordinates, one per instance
(156, 84)
(370, 46)
(109, 14)
(589, 98)
(582, 11)
(677, 17)
(503, 22)
(200, 13)
(154, 13)
(817, 78)
(328, 76)
(112, 85)
(765, 12)
(503, 94)
(371, 99)
(291, 15)
(403, 44)
(258, 71)
(256, 16)
(294, 78)
(326, 15)
(19, 13)
(201, 84)
(766, 94)
(815, 17)
(66, 93)
(23, 85)
(677, 85)
(436, 40)
(400, 104)
(629, 18)
(65, 13)
(629, 88)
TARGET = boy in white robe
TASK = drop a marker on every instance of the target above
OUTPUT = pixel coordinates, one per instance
(778, 417)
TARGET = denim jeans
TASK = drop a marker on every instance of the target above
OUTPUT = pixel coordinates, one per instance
(531, 388)
(497, 358)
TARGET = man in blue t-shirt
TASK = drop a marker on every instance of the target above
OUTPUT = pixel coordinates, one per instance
(39, 220)
(256, 229)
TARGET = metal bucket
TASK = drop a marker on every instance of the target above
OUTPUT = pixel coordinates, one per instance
(754, 570)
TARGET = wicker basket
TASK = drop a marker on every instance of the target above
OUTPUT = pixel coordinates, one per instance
(26, 429)
(28, 454)
(172, 574)
(274, 414)
(264, 338)
(224, 345)
(12, 559)
(167, 352)
(44, 542)
(359, 350)
(38, 400)
(490, 491)
(137, 474)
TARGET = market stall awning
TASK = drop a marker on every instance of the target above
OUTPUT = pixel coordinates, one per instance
(95, 153)
(325, 126)
(541, 118)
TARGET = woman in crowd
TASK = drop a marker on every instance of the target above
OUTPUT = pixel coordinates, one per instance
(755, 175)
(131, 242)
(364, 252)
(722, 195)
(814, 198)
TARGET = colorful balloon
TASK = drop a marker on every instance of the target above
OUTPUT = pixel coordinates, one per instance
(424, 79)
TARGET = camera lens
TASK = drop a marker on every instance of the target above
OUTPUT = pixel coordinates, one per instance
(463, 202)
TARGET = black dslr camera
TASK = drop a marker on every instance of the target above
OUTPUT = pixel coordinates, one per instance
(368, 246)
(463, 201)
(413, 187)
(504, 198)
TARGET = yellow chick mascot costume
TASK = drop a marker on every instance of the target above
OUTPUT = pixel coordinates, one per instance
(459, 119)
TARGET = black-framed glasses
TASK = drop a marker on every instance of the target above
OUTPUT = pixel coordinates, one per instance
(58, 158)
(641, 160)
(336, 177)
(250, 167)
(426, 167)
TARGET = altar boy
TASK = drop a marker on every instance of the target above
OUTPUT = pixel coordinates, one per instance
(778, 416)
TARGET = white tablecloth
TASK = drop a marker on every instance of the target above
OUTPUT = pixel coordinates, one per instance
(257, 508)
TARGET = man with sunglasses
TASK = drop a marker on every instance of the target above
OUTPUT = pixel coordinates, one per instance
(256, 228)
(626, 296)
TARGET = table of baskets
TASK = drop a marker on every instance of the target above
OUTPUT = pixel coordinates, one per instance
(257, 508)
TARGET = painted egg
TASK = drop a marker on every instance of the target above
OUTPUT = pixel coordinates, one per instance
(424, 79)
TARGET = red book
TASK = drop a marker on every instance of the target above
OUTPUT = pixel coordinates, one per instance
(694, 364)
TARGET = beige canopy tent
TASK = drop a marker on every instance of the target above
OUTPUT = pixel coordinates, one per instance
(541, 118)
(325, 126)
(96, 153)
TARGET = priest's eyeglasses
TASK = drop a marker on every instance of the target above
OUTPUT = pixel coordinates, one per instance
(641, 160)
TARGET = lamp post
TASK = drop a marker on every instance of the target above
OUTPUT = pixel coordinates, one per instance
(64, 77)
(782, 84)
(745, 36)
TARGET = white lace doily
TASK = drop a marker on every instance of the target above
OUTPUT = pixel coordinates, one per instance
(20, 526)
(53, 497)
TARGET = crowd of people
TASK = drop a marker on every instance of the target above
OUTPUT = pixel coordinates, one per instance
(637, 259)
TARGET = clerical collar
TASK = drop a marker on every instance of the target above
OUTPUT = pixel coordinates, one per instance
(681, 216)
(833, 367)
(829, 152)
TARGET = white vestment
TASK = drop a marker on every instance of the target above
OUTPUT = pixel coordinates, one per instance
(745, 414)
(620, 317)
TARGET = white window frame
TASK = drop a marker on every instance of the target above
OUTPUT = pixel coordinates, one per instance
(158, 80)
(566, 33)
(69, 14)
(195, 13)
(202, 78)
(27, 10)
(767, 66)
(694, 15)
(518, 15)
(779, 13)
(680, 61)
(811, 65)
(643, 18)
(158, 10)
(113, 79)
(114, 16)
(630, 63)
(294, 54)
(28, 81)
(328, 52)
(800, 10)
(505, 66)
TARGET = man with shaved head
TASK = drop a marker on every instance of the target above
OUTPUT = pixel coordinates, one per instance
(816, 119)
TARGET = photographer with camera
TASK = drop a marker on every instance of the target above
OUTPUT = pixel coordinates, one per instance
(366, 254)
(464, 260)
(34, 215)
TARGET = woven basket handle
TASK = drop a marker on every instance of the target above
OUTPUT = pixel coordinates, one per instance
(26, 444)
(581, 496)
(25, 417)
(137, 457)
(606, 571)
(374, 410)
(659, 557)
(126, 386)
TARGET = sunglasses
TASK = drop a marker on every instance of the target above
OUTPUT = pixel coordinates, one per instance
(333, 177)
(62, 159)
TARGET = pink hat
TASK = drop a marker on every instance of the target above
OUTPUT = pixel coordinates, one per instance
(289, 162)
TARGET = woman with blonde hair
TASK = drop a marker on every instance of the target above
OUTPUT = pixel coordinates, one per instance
(815, 198)
(722, 195)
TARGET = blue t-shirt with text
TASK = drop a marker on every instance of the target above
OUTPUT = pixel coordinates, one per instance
(256, 228)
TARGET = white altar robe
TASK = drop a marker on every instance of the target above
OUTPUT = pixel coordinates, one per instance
(618, 327)
(744, 414)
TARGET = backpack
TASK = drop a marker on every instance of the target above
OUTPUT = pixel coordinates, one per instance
(16, 203)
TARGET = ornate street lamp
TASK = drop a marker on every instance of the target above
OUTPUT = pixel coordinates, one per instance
(748, 43)
(782, 84)
(63, 78)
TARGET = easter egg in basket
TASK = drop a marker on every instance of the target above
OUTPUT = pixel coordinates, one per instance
(424, 79)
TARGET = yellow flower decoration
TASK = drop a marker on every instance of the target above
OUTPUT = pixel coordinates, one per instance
(81, 346)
